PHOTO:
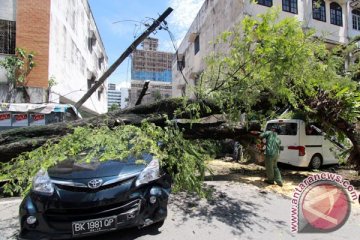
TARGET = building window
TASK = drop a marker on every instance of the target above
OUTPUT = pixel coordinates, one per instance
(91, 41)
(290, 6)
(335, 14)
(101, 61)
(181, 62)
(267, 3)
(7, 36)
(356, 19)
(319, 12)
(197, 44)
(90, 82)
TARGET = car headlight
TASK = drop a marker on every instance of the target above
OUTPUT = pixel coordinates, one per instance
(150, 173)
(42, 183)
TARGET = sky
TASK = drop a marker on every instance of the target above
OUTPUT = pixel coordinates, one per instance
(121, 21)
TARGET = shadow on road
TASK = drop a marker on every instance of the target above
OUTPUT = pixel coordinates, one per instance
(127, 234)
(242, 215)
(9, 228)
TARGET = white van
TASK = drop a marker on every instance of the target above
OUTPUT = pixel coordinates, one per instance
(304, 145)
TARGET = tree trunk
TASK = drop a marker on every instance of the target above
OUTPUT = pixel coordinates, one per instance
(326, 110)
(123, 56)
(142, 93)
(14, 142)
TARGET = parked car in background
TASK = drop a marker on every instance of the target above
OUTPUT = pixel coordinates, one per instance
(14, 115)
(74, 199)
(304, 145)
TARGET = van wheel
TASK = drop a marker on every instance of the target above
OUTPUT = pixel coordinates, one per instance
(316, 162)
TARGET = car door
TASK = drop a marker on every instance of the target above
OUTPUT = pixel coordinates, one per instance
(288, 134)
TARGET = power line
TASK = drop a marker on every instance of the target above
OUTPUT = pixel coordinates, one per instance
(172, 38)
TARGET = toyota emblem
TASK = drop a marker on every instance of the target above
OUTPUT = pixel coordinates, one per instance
(95, 183)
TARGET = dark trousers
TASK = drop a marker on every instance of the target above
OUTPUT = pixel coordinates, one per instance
(272, 170)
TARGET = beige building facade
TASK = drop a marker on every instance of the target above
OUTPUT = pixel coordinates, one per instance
(68, 49)
(336, 21)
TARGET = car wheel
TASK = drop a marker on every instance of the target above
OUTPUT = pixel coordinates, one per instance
(316, 162)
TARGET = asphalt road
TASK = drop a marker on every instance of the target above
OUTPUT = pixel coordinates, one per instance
(237, 211)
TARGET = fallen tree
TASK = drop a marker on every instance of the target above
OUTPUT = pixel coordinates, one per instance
(16, 141)
(271, 66)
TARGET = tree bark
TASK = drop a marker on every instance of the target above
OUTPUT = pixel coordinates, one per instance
(14, 142)
(142, 93)
(326, 110)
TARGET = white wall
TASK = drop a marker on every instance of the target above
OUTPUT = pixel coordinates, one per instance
(3, 78)
(124, 96)
(352, 32)
(8, 10)
(216, 16)
(331, 33)
(328, 31)
(71, 62)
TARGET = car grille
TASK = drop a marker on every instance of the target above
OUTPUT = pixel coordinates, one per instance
(61, 218)
(87, 189)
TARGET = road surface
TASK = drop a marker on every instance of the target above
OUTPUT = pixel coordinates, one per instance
(237, 211)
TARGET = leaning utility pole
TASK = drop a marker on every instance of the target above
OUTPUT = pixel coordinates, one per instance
(123, 56)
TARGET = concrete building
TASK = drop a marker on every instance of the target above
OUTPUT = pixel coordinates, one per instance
(157, 90)
(117, 95)
(68, 48)
(336, 21)
(155, 66)
(150, 64)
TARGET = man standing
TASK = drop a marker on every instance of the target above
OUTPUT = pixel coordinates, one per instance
(272, 153)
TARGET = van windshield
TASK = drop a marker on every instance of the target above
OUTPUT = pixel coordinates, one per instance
(284, 128)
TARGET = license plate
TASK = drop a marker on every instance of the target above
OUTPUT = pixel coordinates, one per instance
(94, 225)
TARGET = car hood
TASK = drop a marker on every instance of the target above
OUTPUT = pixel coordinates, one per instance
(70, 169)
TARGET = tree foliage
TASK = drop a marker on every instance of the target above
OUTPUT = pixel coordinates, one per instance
(270, 65)
(183, 159)
(18, 67)
(113, 107)
(279, 63)
(273, 58)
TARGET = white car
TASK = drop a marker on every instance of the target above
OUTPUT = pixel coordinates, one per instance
(304, 145)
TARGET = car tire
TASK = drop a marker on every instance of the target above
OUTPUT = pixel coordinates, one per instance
(316, 162)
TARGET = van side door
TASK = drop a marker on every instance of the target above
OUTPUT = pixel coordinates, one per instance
(288, 134)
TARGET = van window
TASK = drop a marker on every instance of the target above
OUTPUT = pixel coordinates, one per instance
(312, 130)
(284, 128)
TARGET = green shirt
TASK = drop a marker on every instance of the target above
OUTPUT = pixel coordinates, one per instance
(273, 143)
